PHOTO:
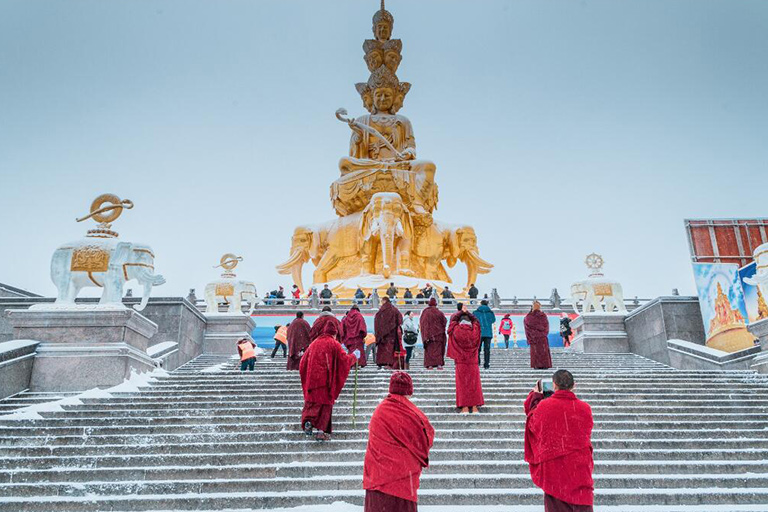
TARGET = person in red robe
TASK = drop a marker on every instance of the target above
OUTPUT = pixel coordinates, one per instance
(464, 342)
(387, 328)
(324, 370)
(353, 331)
(399, 439)
(537, 334)
(432, 324)
(558, 446)
(298, 341)
(319, 325)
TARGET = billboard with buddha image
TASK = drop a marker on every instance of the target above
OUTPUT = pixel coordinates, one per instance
(723, 307)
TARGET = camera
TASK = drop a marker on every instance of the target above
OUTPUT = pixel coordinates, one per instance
(546, 388)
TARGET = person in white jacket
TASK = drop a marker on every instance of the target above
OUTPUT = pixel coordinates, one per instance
(410, 335)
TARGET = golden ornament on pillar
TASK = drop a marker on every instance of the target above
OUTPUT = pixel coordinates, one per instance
(384, 197)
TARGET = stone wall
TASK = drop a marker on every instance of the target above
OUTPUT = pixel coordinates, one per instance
(177, 320)
(651, 325)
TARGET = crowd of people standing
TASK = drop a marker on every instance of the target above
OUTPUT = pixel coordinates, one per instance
(400, 435)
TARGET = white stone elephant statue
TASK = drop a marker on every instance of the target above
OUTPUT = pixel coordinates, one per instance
(106, 263)
(598, 294)
(760, 279)
(231, 292)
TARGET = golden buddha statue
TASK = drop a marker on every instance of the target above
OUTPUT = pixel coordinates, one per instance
(384, 197)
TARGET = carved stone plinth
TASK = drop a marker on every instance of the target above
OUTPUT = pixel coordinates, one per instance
(600, 332)
(84, 347)
(760, 330)
(223, 330)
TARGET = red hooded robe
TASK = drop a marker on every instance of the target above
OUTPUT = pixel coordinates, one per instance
(353, 331)
(324, 370)
(298, 341)
(463, 348)
(432, 325)
(537, 334)
(558, 448)
(319, 325)
(386, 327)
(399, 439)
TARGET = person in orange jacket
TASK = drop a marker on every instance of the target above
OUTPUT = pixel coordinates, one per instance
(247, 350)
(370, 345)
(281, 340)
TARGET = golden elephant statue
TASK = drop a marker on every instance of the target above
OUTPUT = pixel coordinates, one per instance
(442, 242)
(386, 233)
(332, 246)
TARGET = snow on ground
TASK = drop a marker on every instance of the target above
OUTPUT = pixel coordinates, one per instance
(346, 507)
(132, 384)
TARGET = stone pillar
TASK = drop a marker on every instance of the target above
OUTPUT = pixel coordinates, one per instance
(84, 346)
(599, 332)
(223, 330)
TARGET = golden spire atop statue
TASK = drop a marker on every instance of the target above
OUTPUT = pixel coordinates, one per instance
(384, 197)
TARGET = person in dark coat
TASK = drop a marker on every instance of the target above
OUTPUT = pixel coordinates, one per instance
(392, 291)
(447, 296)
(326, 316)
(298, 341)
(473, 293)
(432, 323)
(537, 334)
(565, 330)
(558, 446)
(353, 331)
(359, 296)
(487, 318)
(408, 296)
(326, 294)
(387, 329)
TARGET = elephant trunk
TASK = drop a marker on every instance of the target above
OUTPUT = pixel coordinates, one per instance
(293, 266)
(144, 297)
(387, 254)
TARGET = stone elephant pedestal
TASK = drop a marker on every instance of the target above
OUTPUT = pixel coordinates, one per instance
(223, 330)
(600, 332)
(84, 346)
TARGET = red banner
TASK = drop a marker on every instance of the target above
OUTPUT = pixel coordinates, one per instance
(725, 240)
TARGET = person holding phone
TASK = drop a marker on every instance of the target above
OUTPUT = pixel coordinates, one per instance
(558, 444)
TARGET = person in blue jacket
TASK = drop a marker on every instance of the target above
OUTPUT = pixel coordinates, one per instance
(487, 318)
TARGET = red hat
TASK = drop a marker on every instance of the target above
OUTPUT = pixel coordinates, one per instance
(401, 384)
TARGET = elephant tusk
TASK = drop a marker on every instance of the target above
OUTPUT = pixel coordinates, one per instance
(483, 267)
(297, 257)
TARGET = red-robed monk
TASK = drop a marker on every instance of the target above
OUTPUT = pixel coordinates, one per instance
(399, 439)
(558, 446)
(325, 317)
(537, 335)
(353, 331)
(298, 341)
(432, 325)
(464, 342)
(386, 327)
(324, 370)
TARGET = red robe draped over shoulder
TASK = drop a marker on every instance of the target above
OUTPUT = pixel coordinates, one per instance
(320, 325)
(399, 439)
(324, 370)
(353, 331)
(432, 325)
(558, 447)
(298, 341)
(537, 334)
(463, 348)
(386, 327)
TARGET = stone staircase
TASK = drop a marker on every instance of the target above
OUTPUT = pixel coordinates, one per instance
(665, 440)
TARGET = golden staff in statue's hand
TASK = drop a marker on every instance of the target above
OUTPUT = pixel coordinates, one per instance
(340, 113)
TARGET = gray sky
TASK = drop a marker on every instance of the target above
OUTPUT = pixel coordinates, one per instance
(558, 127)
